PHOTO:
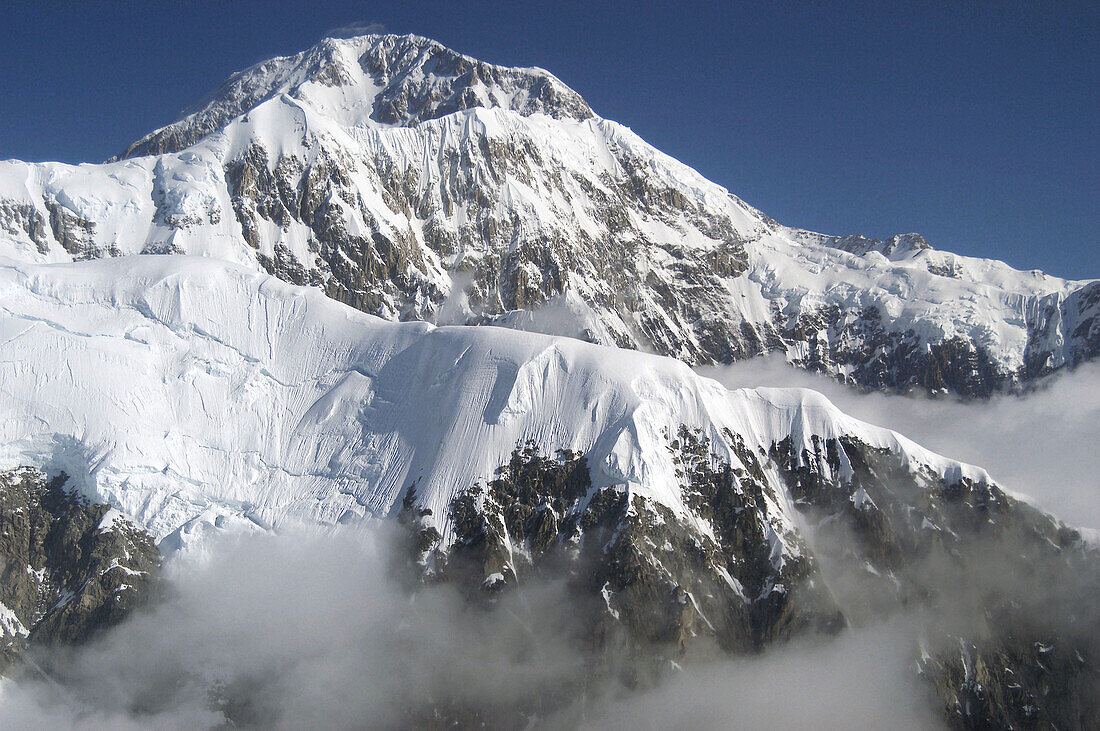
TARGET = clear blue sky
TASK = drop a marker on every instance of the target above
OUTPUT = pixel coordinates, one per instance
(974, 125)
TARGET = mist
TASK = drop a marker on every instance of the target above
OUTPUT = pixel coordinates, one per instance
(1041, 445)
(298, 630)
(862, 679)
(291, 631)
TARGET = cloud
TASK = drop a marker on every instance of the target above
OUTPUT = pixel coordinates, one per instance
(324, 631)
(307, 631)
(1039, 445)
(862, 679)
(299, 631)
(356, 29)
(292, 630)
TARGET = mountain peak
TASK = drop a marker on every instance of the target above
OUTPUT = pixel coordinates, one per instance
(372, 80)
(403, 178)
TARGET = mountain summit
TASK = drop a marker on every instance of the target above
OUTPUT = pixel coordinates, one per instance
(413, 182)
(386, 80)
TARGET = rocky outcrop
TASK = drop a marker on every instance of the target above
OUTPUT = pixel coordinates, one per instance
(68, 568)
(901, 246)
(1003, 590)
(1008, 592)
(23, 219)
(727, 573)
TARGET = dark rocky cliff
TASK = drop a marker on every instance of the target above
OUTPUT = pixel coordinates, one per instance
(68, 568)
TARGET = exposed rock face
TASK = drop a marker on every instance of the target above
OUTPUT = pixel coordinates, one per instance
(665, 580)
(1011, 591)
(413, 182)
(23, 219)
(1010, 642)
(1074, 315)
(901, 246)
(68, 569)
(474, 226)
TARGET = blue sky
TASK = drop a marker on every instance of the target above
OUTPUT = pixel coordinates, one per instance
(973, 123)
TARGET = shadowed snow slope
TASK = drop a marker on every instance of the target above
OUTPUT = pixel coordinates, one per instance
(192, 393)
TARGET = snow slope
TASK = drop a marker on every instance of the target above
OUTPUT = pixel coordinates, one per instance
(192, 393)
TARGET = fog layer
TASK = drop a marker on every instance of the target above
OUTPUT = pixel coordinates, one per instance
(293, 632)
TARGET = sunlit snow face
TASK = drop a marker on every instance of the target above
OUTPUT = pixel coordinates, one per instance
(1039, 445)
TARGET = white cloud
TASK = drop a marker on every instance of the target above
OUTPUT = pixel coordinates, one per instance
(356, 29)
(297, 632)
(862, 679)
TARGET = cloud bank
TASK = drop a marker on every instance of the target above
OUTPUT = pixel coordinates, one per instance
(298, 632)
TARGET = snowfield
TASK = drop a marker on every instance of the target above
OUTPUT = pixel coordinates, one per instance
(194, 394)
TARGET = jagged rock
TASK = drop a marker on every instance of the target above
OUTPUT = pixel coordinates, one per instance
(68, 568)
(1022, 584)
(666, 580)
(654, 583)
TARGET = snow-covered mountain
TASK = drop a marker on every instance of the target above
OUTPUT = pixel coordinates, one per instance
(198, 396)
(296, 353)
(413, 182)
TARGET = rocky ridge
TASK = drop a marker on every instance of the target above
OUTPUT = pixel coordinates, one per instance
(1001, 592)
